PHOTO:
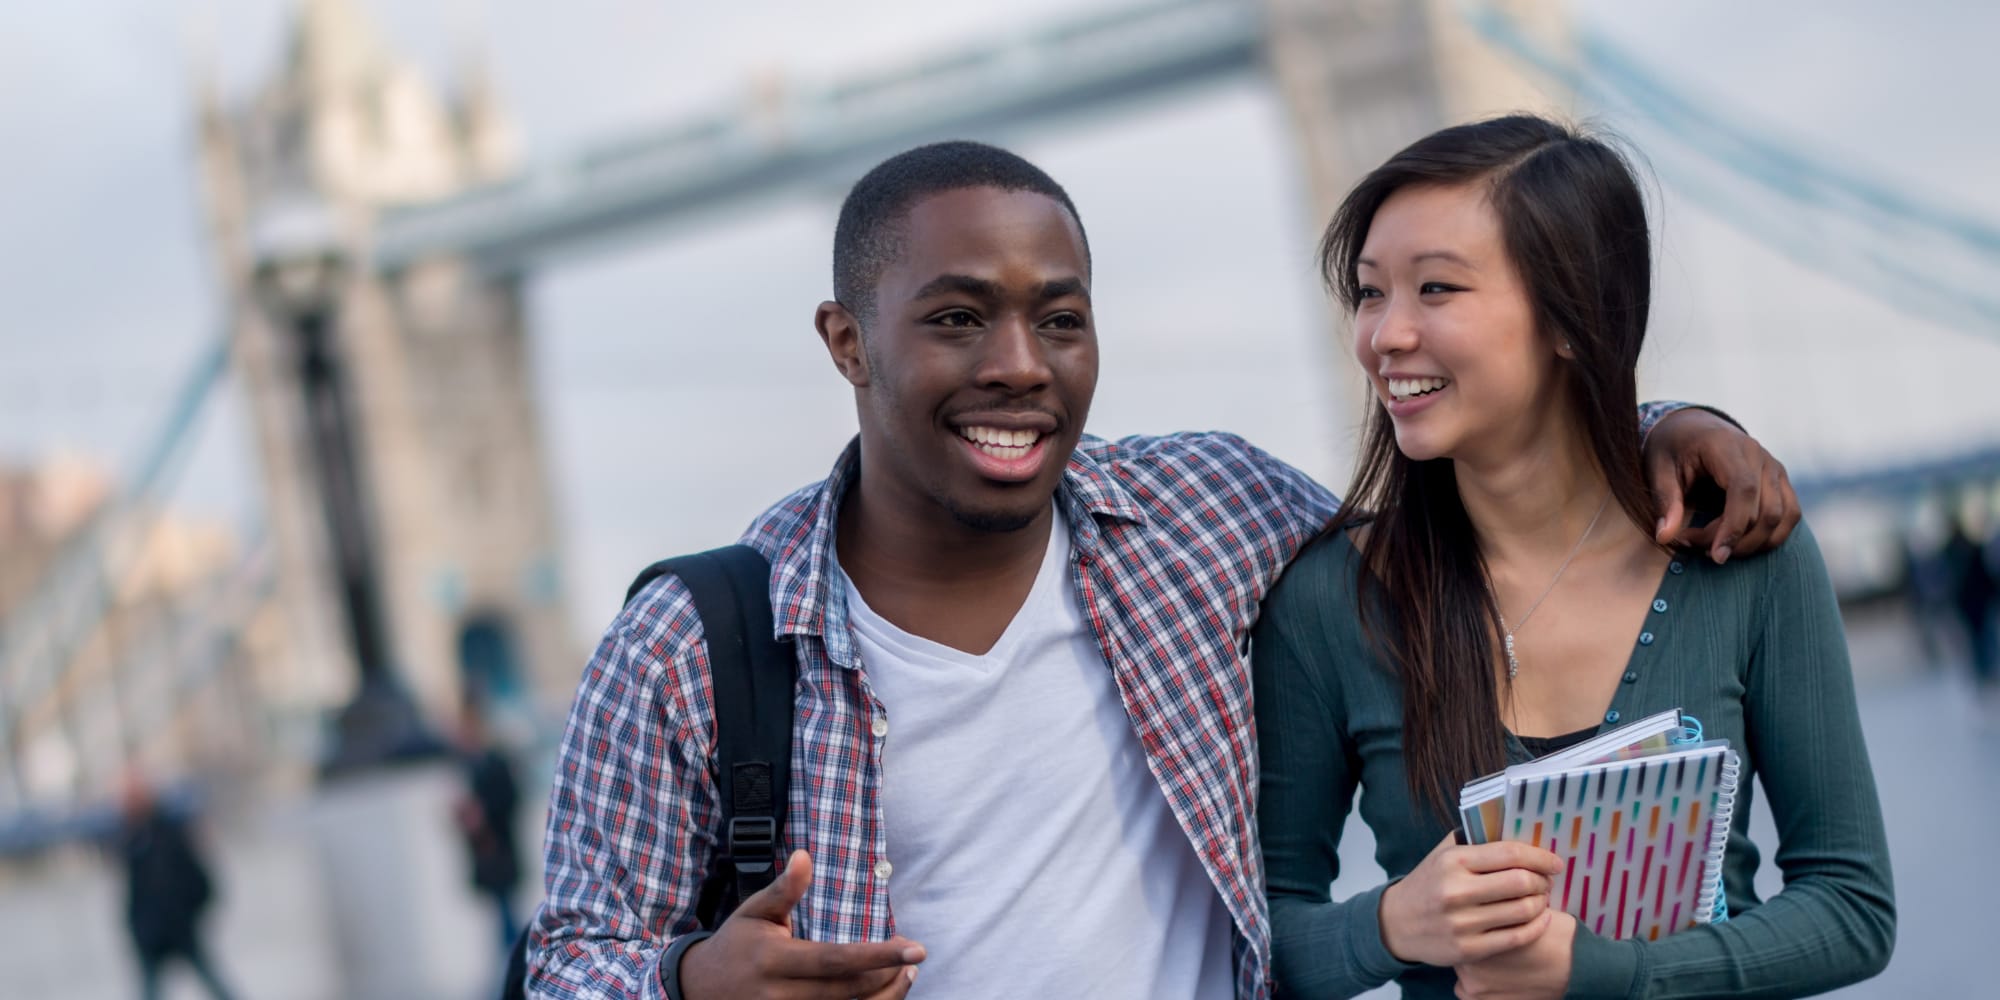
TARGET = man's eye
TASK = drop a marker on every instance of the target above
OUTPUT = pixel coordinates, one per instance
(1064, 321)
(957, 319)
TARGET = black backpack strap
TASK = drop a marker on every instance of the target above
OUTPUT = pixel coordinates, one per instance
(752, 676)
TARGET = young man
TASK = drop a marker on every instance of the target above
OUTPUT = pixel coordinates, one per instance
(1022, 709)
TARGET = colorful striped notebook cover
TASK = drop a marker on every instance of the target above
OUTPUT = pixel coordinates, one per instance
(1480, 801)
(1641, 840)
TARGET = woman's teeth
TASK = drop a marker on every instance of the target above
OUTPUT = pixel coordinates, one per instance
(1406, 388)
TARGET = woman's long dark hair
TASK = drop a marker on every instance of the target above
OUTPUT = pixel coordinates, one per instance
(1573, 222)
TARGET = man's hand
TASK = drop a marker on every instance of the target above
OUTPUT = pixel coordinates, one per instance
(1538, 971)
(1759, 510)
(753, 955)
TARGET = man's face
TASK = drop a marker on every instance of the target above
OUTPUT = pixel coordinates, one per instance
(977, 371)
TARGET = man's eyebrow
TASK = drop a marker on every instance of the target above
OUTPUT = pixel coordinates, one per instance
(962, 283)
(1063, 287)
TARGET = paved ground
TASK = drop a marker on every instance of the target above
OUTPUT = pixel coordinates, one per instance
(1934, 750)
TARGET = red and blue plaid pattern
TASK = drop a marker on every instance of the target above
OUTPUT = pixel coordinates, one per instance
(1176, 541)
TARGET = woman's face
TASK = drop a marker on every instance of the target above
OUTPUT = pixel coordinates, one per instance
(1445, 330)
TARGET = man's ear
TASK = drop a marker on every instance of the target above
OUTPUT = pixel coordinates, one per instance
(841, 333)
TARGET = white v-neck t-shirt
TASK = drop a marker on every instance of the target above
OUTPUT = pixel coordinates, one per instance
(1030, 848)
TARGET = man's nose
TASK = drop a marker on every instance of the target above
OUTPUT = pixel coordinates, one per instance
(1016, 358)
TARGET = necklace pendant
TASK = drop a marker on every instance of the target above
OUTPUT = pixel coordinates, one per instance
(1513, 664)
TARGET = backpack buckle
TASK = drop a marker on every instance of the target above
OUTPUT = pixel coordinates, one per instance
(753, 844)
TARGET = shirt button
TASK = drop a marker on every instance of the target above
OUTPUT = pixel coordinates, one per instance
(1645, 638)
(1660, 605)
(1611, 716)
(880, 727)
(1630, 677)
(883, 869)
(1674, 568)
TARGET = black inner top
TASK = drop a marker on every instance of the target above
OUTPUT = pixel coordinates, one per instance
(1542, 746)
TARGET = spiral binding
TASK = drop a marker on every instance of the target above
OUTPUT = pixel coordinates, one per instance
(1712, 906)
(1690, 731)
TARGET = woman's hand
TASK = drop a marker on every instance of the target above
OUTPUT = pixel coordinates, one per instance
(1539, 971)
(1467, 903)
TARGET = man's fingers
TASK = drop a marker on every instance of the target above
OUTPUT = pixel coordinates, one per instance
(1781, 504)
(817, 960)
(899, 985)
(1777, 510)
(774, 902)
(1698, 538)
(1789, 500)
(1668, 487)
(1742, 497)
(890, 982)
(1770, 514)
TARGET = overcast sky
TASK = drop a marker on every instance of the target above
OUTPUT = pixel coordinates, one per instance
(1208, 311)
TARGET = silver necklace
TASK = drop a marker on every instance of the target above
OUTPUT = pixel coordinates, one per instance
(1513, 662)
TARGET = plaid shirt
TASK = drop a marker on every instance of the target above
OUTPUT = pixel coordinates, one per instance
(1176, 541)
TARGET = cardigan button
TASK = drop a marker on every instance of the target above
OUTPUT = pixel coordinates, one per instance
(1660, 605)
(1631, 677)
(1674, 568)
(1645, 638)
(1611, 716)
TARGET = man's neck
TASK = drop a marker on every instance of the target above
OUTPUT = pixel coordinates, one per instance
(931, 576)
(889, 537)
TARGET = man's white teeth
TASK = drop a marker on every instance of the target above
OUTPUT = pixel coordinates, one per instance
(1000, 442)
(1404, 388)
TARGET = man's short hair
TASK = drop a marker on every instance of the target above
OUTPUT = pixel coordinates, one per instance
(871, 230)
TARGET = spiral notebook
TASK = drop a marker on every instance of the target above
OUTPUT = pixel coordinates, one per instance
(1641, 829)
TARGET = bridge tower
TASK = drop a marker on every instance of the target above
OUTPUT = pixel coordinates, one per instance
(394, 412)
(1364, 78)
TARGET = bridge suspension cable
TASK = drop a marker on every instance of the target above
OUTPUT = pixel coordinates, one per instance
(1915, 254)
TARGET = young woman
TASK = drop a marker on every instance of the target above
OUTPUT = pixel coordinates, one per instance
(1493, 592)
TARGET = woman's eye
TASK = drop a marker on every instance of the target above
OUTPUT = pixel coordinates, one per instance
(1435, 288)
(1368, 292)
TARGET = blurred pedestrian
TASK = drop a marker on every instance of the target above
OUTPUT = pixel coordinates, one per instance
(1928, 584)
(486, 815)
(1974, 587)
(167, 890)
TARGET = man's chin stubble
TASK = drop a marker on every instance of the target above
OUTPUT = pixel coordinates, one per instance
(990, 521)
